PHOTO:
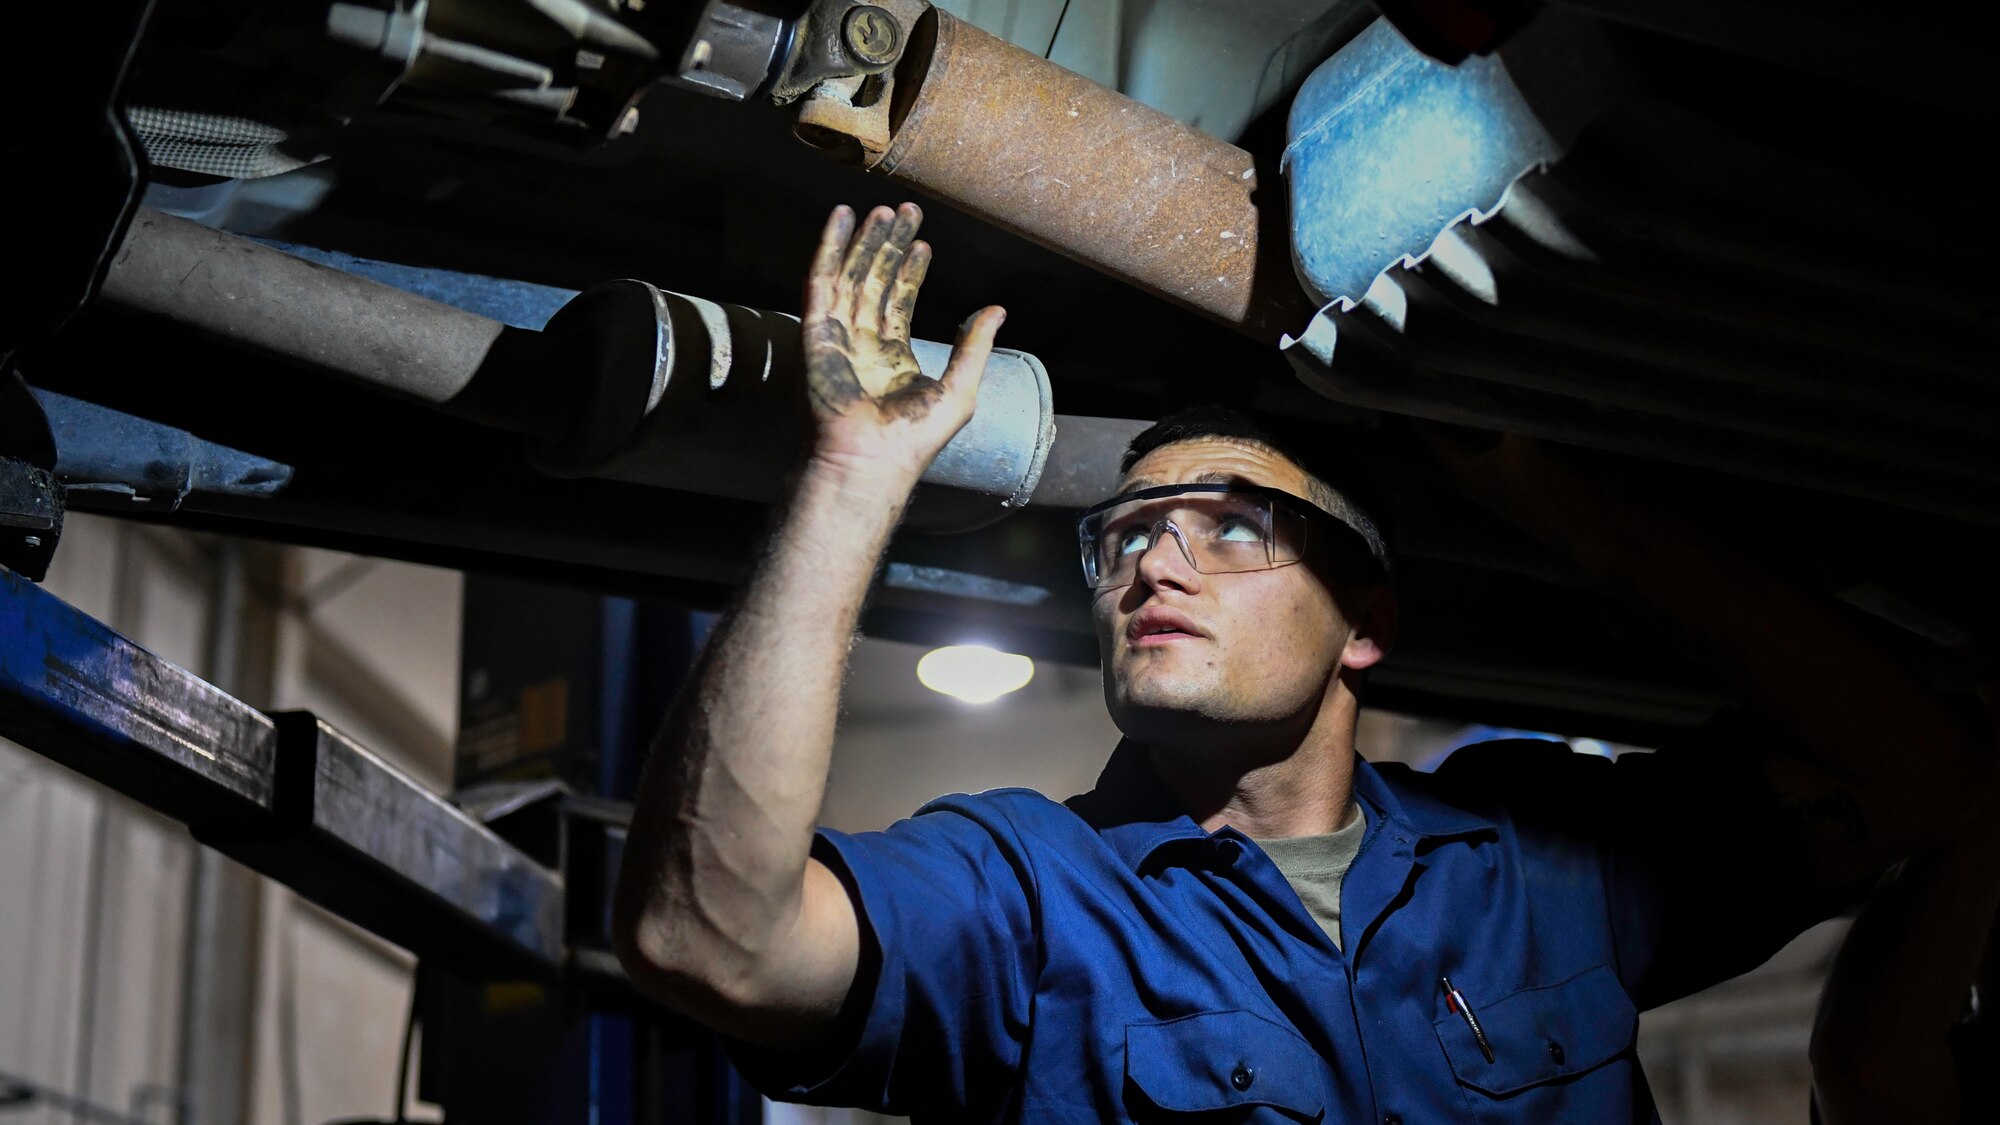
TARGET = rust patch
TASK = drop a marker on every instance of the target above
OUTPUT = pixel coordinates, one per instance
(1046, 153)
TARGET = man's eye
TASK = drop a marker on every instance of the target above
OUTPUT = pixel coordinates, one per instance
(1239, 530)
(1133, 540)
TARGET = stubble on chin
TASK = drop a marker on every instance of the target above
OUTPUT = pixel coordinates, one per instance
(1147, 689)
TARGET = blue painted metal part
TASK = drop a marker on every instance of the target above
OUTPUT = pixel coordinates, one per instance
(79, 693)
(105, 451)
(959, 584)
(1386, 148)
(519, 303)
(362, 837)
(287, 795)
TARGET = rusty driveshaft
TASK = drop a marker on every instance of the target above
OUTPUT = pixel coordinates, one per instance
(1046, 153)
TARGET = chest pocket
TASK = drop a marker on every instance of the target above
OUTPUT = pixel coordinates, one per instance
(1541, 1034)
(1219, 1061)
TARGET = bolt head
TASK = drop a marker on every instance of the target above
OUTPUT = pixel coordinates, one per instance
(872, 35)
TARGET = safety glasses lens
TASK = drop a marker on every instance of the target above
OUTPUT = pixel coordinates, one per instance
(1216, 533)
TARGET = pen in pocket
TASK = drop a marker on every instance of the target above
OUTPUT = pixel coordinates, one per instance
(1454, 1000)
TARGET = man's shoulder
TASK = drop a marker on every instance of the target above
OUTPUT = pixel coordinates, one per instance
(1502, 779)
(1009, 802)
(1013, 827)
(1508, 764)
(1012, 814)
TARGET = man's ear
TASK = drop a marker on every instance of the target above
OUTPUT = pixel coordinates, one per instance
(1373, 629)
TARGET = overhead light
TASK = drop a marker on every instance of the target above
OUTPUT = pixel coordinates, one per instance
(974, 673)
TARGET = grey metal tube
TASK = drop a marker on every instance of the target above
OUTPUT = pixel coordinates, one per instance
(725, 410)
(1083, 465)
(626, 382)
(330, 321)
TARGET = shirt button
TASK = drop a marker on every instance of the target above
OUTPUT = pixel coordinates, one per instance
(1242, 1076)
(1555, 1052)
(1391, 1119)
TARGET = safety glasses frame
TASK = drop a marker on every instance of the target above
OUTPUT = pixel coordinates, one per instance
(1309, 514)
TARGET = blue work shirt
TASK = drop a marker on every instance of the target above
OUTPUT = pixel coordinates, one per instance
(1105, 959)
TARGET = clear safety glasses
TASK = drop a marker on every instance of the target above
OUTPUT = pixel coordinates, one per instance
(1218, 528)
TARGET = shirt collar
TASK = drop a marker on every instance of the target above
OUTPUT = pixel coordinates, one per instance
(1134, 813)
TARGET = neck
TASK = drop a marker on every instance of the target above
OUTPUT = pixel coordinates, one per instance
(1266, 789)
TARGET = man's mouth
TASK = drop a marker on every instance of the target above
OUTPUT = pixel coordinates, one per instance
(1157, 625)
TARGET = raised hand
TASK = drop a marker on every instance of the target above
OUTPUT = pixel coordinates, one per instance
(874, 410)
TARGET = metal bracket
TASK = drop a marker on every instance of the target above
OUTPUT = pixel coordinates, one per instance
(732, 51)
(846, 41)
(31, 501)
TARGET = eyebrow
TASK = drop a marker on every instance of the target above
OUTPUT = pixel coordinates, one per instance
(1212, 476)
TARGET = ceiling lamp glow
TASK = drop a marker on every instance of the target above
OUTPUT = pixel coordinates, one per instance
(974, 673)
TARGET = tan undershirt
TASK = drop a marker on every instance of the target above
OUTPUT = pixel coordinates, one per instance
(1315, 866)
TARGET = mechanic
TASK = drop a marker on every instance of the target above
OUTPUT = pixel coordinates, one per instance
(1244, 916)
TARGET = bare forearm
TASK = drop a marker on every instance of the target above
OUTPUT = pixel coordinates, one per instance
(721, 910)
(715, 867)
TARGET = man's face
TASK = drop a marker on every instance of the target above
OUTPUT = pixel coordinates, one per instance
(1257, 647)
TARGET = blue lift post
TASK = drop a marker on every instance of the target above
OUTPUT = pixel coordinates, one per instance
(563, 693)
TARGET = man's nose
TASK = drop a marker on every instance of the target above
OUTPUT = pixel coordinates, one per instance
(1168, 561)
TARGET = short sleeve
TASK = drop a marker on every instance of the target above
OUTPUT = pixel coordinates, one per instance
(938, 1014)
(1702, 880)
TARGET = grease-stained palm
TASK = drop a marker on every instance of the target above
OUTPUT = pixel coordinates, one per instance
(872, 405)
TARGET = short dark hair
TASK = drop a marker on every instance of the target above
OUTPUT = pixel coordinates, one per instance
(1332, 485)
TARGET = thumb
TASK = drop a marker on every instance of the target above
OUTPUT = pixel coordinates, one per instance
(968, 356)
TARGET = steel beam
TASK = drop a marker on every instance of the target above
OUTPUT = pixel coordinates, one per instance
(286, 793)
(77, 692)
(369, 842)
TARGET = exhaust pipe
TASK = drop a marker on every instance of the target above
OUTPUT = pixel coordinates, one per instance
(627, 381)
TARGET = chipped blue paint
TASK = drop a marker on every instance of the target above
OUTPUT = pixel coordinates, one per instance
(72, 669)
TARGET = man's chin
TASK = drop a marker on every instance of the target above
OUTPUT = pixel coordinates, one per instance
(1153, 701)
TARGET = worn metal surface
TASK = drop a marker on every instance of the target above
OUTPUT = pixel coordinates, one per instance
(848, 118)
(28, 503)
(1083, 465)
(1058, 159)
(1002, 450)
(844, 41)
(108, 457)
(959, 584)
(332, 322)
(286, 794)
(73, 690)
(1386, 148)
(732, 51)
(31, 517)
(522, 304)
(365, 840)
(725, 411)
